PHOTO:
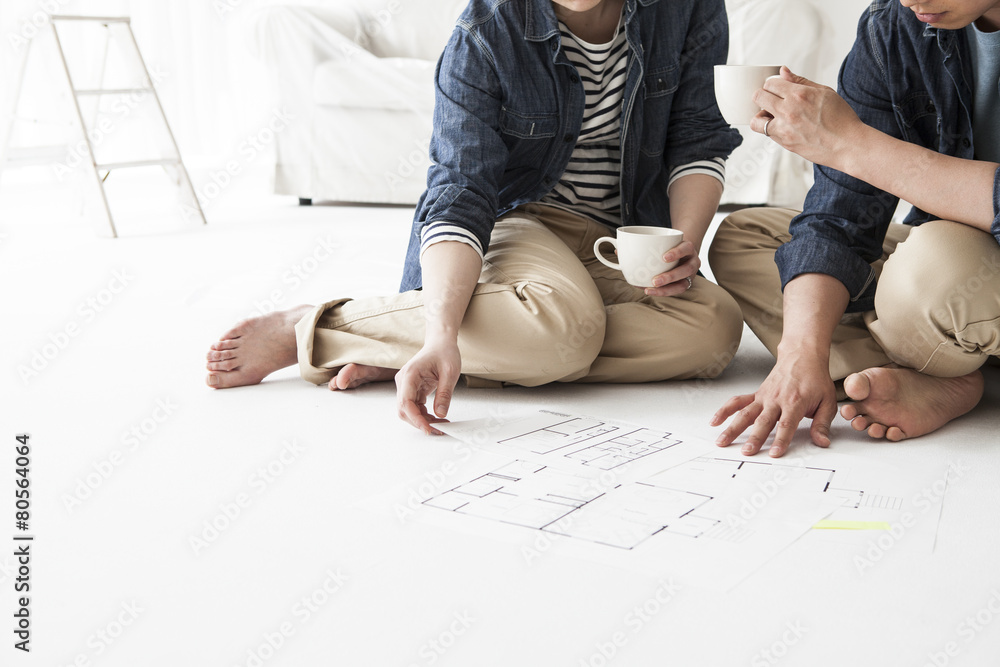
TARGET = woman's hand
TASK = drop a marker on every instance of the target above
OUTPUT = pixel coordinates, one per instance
(435, 369)
(675, 281)
(808, 119)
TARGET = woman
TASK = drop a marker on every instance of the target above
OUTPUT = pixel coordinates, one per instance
(555, 122)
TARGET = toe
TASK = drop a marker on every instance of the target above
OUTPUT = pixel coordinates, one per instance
(212, 380)
(877, 431)
(859, 423)
(895, 434)
(221, 356)
(857, 386)
(228, 365)
(225, 344)
(849, 411)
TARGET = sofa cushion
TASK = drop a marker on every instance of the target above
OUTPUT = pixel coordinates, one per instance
(399, 84)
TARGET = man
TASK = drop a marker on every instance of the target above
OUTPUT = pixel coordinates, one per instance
(906, 315)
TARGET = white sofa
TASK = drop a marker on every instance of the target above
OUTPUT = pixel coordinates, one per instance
(358, 75)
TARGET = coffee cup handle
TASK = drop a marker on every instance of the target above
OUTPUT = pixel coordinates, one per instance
(601, 258)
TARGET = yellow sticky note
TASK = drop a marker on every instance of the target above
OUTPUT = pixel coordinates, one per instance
(828, 524)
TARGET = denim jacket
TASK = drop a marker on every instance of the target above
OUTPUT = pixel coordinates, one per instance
(509, 108)
(912, 82)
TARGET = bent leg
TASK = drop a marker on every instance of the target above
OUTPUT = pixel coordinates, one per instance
(742, 259)
(531, 296)
(937, 306)
(648, 339)
(937, 314)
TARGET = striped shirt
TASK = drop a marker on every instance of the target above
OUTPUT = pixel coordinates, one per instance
(591, 184)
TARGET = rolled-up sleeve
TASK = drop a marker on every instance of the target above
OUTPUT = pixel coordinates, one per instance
(697, 130)
(844, 220)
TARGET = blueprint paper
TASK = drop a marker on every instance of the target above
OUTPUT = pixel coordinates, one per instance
(874, 495)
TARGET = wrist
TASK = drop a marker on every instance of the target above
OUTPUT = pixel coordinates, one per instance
(804, 348)
(853, 154)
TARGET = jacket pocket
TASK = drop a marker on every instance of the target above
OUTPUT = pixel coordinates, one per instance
(918, 118)
(528, 126)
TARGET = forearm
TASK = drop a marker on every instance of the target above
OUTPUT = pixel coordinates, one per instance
(694, 200)
(450, 272)
(813, 306)
(947, 187)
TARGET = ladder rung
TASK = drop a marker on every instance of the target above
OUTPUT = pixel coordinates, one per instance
(108, 166)
(111, 91)
(99, 19)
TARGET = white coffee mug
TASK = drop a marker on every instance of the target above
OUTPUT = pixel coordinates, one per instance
(734, 89)
(640, 252)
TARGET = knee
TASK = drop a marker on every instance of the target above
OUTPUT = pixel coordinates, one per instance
(748, 229)
(725, 241)
(568, 333)
(939, 268)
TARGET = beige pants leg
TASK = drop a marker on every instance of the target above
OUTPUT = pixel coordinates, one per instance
(545, 310)
(532, 296)
(937, 307)
(742, 259)
(648, 339)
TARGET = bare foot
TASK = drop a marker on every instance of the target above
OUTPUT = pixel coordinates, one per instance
(355, 375)
(900, 403)
(254, 349)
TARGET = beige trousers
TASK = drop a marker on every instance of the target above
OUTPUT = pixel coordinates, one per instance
(937, 305)
(545, 310)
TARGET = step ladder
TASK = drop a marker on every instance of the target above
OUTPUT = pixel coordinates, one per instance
(24, 156)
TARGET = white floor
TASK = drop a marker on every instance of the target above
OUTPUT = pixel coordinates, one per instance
(133, 457)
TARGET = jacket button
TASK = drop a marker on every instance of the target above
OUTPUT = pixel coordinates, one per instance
(574, 78)
(661, 84)
(966, 143)
(930, 108)
(568, 138)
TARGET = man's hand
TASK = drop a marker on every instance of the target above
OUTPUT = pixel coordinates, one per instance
(799, 386)
(674, 281)
(808, 119)
(435, 369)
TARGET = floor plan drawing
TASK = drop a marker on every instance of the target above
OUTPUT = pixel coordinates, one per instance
(555, 501)
(592, 442)
(657, 500)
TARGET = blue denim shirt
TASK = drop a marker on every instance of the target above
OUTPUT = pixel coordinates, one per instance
(912, 82)
(509, 108)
